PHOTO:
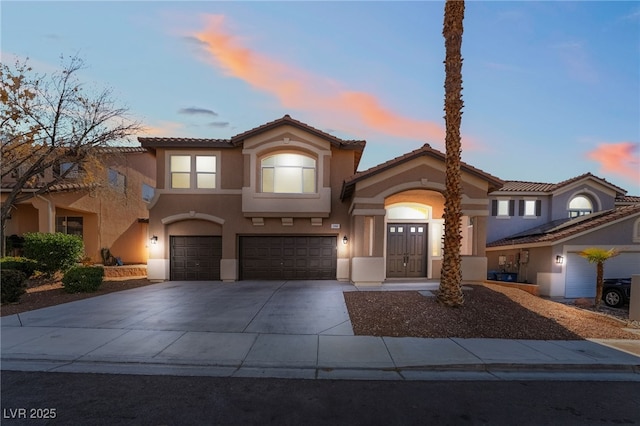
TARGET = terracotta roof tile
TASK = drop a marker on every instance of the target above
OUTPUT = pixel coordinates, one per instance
(523, 186)
(349, 183)
(286, 119)
(627, 199)
(568, 228)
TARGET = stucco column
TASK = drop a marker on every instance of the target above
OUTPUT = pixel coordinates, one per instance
(46, 214)
(479, 235)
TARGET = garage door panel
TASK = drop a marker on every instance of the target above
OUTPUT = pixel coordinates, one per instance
(289, 257)
(581, 275)
(195, 258)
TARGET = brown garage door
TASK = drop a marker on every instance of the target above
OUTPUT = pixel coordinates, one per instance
(195, 258)
(288, 258)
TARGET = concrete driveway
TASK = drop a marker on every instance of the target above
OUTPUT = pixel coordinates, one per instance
(274, 307)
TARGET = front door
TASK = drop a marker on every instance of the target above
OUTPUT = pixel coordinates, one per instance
(406, 250)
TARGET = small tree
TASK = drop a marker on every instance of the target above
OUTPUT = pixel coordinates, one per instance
(49, 121)
(598, 256)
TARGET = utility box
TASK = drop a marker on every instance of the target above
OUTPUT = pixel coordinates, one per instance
(634, 299)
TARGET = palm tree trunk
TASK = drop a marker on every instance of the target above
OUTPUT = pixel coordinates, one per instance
(599, 283)
(450, 293)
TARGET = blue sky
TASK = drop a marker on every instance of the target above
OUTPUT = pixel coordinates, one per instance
(551, 89)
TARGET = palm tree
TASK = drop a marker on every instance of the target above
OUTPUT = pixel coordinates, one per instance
(450, 293)
(598, 256)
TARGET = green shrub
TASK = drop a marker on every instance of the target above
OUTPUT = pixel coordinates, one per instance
(22, 264)
(53, 252)
(12, 286)
(83, 279)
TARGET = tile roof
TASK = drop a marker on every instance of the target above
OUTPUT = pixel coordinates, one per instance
(523, 186)
(627, 199)
(160, 142)
(425, 150)
(238, 140)
(560, 230)
(286, 119)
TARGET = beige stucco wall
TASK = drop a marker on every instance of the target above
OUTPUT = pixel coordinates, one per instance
(110, 218)
(237, 208)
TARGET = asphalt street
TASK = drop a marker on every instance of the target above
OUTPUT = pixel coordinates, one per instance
(103, 399)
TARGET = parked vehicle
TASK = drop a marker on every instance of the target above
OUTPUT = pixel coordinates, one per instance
(616, 291)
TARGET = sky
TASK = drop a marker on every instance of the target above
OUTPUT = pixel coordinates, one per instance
(551, 90)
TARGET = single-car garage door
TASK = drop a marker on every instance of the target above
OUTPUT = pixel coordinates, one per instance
(195, 258)
(288, 257)
(581, 275)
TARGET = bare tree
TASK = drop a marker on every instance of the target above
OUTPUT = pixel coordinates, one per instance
(451, 277)
(50, 120)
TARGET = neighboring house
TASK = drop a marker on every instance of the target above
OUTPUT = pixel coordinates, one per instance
(536, 231)
(111, 212)
(285, 201)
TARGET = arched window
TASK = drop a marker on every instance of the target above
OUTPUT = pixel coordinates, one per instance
(288, 173)
(408, 211)
(580, 205)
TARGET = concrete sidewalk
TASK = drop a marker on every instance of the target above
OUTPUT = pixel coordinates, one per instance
(296, 329)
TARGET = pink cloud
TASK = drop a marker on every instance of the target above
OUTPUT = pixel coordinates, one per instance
(619, 158)
(300, 89)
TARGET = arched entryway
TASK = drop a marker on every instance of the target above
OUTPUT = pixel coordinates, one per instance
(414, 229)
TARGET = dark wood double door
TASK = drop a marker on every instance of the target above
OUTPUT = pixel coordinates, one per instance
(406, 250)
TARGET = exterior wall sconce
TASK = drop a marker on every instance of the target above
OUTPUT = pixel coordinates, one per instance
(345, 240)
(559, 260)
(154, 239)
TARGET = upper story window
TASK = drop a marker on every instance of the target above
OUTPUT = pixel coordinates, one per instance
(193, 171)
(530, 208)
(148, 192)
(72, 170)
(117, 180)
(502, 208)
(580, 206)
(288, 173)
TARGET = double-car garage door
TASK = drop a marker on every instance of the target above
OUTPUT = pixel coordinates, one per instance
(197, 258)
(288, 257)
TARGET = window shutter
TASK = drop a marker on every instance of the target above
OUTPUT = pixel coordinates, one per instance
(494, 207)
(512, 205)
(520, 207)
(538, 208)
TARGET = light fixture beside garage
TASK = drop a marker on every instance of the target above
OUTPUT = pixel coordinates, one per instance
(154, 239)
(559, 260)
(345, 240)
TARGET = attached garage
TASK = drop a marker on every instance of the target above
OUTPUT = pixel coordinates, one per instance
(581, 275)
(288, 257)
(195, 258)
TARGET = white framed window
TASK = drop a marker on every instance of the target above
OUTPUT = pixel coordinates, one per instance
(188, 171)
(636, 231)
(288, 173)
(580, 205)
(530, 208)
(502, 208)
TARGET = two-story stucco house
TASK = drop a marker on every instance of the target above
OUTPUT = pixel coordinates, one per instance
(536, 230)
(285, 201)
(110, 212)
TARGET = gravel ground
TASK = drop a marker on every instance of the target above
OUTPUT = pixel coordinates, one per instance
(489, 312)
